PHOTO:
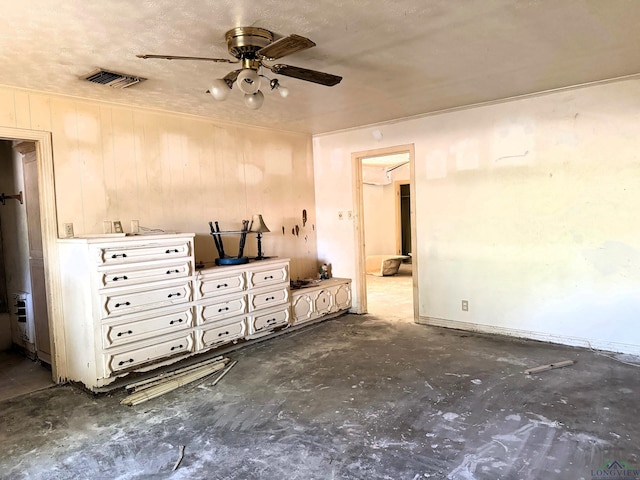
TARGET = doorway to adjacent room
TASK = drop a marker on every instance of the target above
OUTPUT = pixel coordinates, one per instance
(385, 232)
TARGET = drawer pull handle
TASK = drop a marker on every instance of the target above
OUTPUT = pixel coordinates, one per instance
(125, 304)
(116, 255)
(223, 285)
(223, 309)
(271, 321)
(223, 333)
(179, 347)
(124, 277)
(172, 250)
(269, 298)
(174, 295)
(122, 362)
(169, 272)
(176, 321)
(128, 332)
(270, 277)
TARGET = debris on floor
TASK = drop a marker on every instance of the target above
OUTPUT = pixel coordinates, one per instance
(550, 366)
(166, 382)
(180, 457)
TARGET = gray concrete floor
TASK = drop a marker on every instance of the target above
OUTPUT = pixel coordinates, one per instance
(356, 397)
(20, 375)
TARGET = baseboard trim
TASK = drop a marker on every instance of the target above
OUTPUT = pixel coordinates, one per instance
(590, 343)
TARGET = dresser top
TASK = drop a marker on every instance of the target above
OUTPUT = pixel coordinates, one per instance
(116, 238)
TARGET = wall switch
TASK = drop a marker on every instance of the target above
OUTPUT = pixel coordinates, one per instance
(465, 305)
(107, 226)
(68, 230)
(135, 226)
(349, 214)
(340, 215)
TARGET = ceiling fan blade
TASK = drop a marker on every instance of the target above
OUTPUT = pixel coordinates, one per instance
(286, 46)
(306, 74)
(178, 57)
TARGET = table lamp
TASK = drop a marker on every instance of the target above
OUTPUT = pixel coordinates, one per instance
(258, 226)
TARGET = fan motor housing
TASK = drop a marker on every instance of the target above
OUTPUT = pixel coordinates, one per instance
(244, 42)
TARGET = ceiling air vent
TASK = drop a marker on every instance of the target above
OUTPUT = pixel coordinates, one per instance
(112, 79)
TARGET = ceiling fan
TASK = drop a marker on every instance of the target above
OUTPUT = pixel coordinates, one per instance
(252, 47)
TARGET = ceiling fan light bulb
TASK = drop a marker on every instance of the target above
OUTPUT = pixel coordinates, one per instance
(283, 91)
(248, 81)
(254, 101)
(219, 89)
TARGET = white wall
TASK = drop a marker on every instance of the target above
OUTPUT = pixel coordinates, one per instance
(381, 214)
(525, 208)
(172, 171)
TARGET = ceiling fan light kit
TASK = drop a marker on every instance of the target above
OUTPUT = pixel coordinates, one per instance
(252, 46)
(254, 101)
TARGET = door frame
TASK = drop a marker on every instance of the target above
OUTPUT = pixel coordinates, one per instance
(358, 202)
(49, 226)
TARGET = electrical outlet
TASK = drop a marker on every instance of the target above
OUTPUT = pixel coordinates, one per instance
(340, 215)
(465, 305)
(349, 214)
(68, 230)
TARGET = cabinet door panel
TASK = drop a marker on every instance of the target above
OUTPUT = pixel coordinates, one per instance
(302, 308)
(323, 302)
(342, 296)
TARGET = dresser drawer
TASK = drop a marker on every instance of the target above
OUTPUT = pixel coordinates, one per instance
(271, 276)
(267, 298)
(143, 273)
(143, 352)
(149, 250)
(133, 328)
(224, 308)
(213, 285)
(266, 321)
(220, 334)
(129, 301)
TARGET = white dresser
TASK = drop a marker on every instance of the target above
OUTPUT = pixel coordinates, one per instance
(127, 302)
(325, 298)
(134, 303)
(241, 301)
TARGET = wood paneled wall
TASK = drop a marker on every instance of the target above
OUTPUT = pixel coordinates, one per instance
(174, 172)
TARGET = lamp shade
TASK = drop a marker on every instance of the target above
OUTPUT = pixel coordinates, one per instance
(258, 225)
(254, 101)
(248, 81)
(219, 89)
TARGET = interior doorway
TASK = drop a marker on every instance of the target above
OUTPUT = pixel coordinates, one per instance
(32, 239)
(385, 232)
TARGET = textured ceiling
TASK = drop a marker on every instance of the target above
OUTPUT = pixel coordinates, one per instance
(398, 58)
